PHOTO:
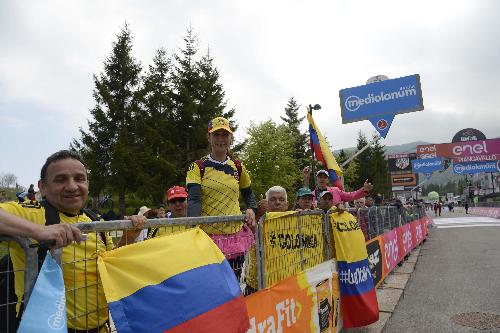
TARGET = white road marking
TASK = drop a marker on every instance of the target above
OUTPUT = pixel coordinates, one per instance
(466, 222)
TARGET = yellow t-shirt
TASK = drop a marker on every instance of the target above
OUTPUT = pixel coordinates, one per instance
(220, 191)
(84, 294)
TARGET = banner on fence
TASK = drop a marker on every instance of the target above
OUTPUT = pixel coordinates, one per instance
(176, 283)
(399, 242)
(306, 302)
(283, 255)
(375, 259)
(392, 250)
(357, 291)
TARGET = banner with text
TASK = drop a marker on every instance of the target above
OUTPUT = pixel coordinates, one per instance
(306, 302)
(381, 98)
(405, 179)
(463, 152)
(476, 167)
(427, 165)
(283, 255)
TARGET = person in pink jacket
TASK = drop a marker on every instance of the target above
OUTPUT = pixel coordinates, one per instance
(339, 196)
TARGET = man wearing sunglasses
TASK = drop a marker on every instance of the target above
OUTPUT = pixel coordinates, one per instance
(177, 205)
(176, 199)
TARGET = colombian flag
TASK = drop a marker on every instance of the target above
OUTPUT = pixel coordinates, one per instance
(323, 152)
(358, 300)
(176, 283)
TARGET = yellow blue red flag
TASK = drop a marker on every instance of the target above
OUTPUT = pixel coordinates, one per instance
(323, 153)
(175, 283)
(358, 299)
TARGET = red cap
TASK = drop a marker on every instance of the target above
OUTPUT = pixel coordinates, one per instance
(176, 192)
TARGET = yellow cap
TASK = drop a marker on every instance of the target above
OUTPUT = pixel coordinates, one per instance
(219, 123)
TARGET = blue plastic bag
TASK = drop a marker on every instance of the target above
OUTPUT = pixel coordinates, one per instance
(46, 309)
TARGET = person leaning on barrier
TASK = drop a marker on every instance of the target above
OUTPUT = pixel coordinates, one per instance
(64, 186)
(177, 205)
(304, 199)
(325, 201)
(62, 234)
(214, 186)
(276, 201)
(338, 195)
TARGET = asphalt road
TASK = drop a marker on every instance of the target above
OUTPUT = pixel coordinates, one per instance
(458, 272)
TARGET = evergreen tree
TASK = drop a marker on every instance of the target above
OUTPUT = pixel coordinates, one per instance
(364, 161)
(110, 142)
(156, 125)
(379, 168)
(198, 97)
(301, 152)
(341, 157)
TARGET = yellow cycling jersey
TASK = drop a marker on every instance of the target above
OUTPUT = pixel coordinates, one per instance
(86, 305)
(220, 190)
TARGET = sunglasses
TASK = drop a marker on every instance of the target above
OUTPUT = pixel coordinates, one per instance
(176, 200)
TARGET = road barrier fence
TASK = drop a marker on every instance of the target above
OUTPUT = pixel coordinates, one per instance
(281, 245)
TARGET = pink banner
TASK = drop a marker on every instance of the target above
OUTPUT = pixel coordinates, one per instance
(417, 232)
(486, 211)
(392, 253)
(405, 239)
(469, 151)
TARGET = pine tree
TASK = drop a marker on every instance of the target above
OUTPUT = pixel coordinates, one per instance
(364, 161)
(156, 126)
(110, 142)
(198, 97)
(301, 153)
(341, 157)
(379, 169)
(301, 149)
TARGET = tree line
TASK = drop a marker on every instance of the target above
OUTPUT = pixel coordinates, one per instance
(149, 124)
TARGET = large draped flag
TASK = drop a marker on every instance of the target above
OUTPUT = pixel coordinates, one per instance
(46, 309)
(176, 283)
(358, 299)
(323, 153)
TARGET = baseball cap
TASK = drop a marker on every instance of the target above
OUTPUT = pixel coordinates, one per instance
(176, 192)
(219, 123)
(303, 191)
(322, 171)
(324, 193)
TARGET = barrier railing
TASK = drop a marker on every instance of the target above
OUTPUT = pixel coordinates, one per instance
(284, 244)
(495, 204)
(15, 280)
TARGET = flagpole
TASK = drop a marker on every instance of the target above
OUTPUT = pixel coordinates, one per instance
(310, 108)
(360, 151)
(313, 171)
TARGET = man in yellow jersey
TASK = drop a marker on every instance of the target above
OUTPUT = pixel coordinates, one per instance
(64, 187)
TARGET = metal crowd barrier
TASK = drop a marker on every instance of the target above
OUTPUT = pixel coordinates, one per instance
(283, 245)
(9, 302)
(487, 204)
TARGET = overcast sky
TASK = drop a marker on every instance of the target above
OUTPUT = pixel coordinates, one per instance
(266, 52)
